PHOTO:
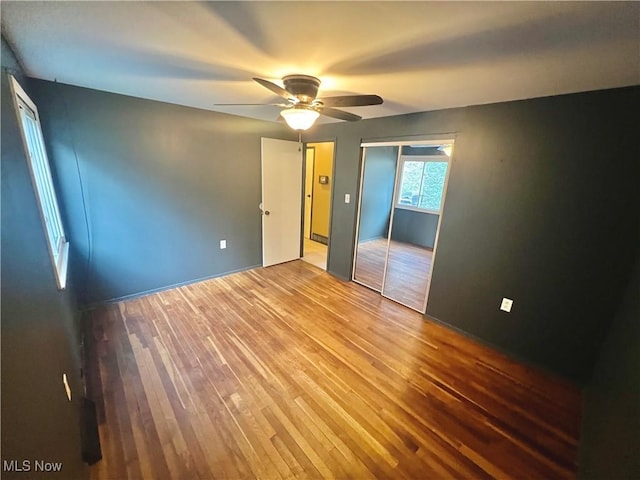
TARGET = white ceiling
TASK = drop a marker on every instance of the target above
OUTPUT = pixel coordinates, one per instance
(418, 56)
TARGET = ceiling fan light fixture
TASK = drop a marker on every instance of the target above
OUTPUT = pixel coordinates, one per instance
(300, 118)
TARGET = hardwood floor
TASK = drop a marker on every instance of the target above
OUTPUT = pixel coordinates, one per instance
(408, 270)
(370, 259)
(287, 372)
(407, 274)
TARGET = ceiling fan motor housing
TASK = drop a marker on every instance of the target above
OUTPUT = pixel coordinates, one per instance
(304, 87)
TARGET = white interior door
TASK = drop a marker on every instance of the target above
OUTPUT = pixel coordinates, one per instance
(281, 200)
(308, 191)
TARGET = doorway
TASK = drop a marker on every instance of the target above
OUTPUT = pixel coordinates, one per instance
(402, 193)
(318, 187)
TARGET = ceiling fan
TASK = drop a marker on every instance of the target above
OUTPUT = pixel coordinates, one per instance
(303, 107)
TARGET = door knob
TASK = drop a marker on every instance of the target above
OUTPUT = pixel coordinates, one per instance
(267, 212)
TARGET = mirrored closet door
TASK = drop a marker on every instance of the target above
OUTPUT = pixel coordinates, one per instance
(403, 188)
(377, 188)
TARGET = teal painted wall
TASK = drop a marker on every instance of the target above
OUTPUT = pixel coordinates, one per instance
(542, 207)
(162, 183)
(377, 192)
(40, 332)
(416, 228)
(611, 420)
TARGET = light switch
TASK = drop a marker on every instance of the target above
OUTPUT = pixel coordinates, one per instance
(347, 198)
(223, 244)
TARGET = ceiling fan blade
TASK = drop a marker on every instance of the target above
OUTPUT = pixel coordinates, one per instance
(351, 100)
(339, 114)
(275, 88)
(251, 104)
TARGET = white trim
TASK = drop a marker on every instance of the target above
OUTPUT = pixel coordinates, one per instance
(413, 208)
(61, 267)
(396, 186)
(59, 258)
(18, 91)
(357, 233)
(424, 158)
(435, 242)
(415, 143)
(355, 248)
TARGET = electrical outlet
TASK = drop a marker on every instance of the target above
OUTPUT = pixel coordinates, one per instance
(506, 305)
(223, 244)
(67, 388)
(347, 198)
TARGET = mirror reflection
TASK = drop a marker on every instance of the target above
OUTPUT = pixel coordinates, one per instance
(402, 197)
(422, 172)
(376, 204)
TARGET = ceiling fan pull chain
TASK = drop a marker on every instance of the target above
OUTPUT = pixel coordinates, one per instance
(300, 141)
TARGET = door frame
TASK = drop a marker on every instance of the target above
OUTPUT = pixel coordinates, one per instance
(332, 195)
(304, 192)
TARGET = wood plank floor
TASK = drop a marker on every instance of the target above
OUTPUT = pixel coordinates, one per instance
(408, 271)
(370, 259)
(407, 274)
(287, 372)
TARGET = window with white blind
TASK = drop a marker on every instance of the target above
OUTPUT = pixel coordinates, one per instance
(36, 154)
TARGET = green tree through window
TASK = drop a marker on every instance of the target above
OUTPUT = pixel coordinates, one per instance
(422, 184)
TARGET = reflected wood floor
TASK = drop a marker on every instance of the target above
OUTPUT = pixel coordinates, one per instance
(287, 372)
(407, 273)
(370, 258)
(315, 253)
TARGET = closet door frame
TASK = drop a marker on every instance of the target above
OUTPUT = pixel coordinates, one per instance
(448, 139)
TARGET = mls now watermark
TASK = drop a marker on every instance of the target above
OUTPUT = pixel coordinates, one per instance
(30, 466)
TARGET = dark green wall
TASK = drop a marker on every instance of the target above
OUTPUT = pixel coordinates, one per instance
(417, 228)
(39, 323)
(542, 207)
(611, 420)
(377, 192)
(163, 184)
